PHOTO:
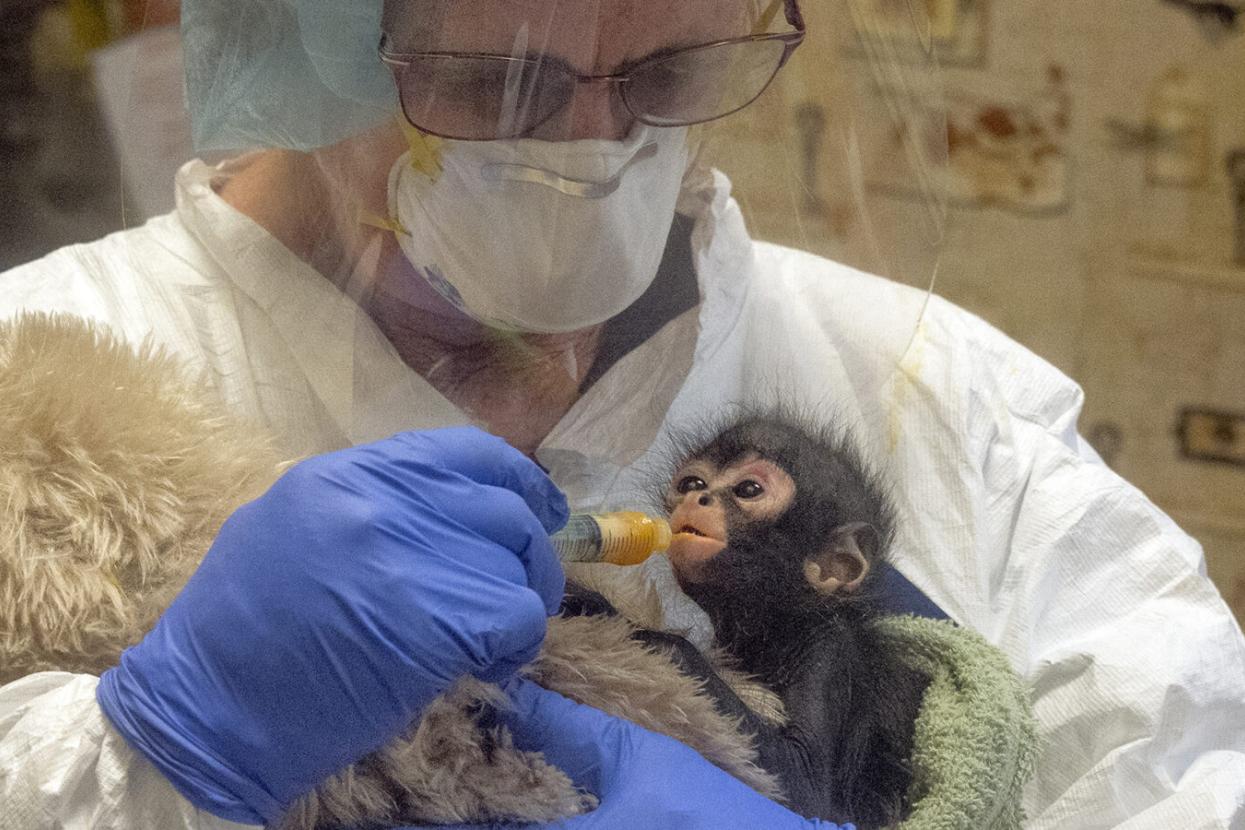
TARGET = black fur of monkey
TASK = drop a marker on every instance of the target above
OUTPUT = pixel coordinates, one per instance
(793, 597)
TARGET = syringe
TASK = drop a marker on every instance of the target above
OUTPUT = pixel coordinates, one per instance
(622, 538)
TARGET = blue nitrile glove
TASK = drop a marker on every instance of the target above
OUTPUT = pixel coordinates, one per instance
(643, 779)
(332, 609)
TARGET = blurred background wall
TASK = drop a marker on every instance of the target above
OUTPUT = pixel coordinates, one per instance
(90, 99)
(1094, 188)
(1095, 196)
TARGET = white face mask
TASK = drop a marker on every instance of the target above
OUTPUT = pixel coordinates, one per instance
(541, 236)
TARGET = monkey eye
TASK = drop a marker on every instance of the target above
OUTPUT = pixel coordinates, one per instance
(689, 483)
(747, 489)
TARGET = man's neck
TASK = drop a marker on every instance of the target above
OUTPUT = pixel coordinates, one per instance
(518, 386)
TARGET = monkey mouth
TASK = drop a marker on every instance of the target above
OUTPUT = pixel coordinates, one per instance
(690, 549)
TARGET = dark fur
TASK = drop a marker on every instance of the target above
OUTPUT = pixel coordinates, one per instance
(851, 702)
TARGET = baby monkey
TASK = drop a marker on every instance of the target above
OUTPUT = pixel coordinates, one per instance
(781, 534)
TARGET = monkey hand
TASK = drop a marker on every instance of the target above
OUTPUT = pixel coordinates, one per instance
(332, 609)
(642, 779)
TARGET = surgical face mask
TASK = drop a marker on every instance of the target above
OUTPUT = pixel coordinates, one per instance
(540, 236)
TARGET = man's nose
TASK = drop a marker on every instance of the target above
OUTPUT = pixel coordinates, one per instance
(595, 110)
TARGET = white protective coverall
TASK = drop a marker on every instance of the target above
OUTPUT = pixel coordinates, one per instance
(1007, 520)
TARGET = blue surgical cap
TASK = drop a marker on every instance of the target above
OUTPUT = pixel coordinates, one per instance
(283, 73)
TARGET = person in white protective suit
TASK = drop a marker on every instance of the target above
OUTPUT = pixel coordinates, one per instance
(537, 252)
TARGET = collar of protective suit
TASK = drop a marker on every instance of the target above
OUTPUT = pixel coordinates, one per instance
(1007, 520)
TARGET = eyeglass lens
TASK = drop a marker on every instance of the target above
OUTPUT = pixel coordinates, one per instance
(702, 84)
(472, 97)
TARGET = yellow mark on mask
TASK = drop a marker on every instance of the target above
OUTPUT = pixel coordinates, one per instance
(384, 223)
(425, 150)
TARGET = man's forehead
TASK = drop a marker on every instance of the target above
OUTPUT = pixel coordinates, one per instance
(614, 30)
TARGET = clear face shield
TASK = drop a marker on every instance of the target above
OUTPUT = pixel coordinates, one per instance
(573, 223)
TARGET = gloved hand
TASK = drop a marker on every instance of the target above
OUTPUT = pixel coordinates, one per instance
(332, 609)
(643, 779)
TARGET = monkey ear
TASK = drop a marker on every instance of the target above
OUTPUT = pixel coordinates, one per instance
(842, 564)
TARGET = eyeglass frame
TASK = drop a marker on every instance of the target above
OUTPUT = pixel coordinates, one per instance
(399, 61)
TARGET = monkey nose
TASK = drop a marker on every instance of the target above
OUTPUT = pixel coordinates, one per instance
(705, 500)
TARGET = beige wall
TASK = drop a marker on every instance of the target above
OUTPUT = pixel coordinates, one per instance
(1128, 286)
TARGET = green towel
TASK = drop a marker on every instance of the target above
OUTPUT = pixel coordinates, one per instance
(975, 742)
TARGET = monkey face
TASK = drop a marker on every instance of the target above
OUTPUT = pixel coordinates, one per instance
(708, 504)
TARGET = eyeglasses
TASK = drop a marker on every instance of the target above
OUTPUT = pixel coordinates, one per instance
(477, 97)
